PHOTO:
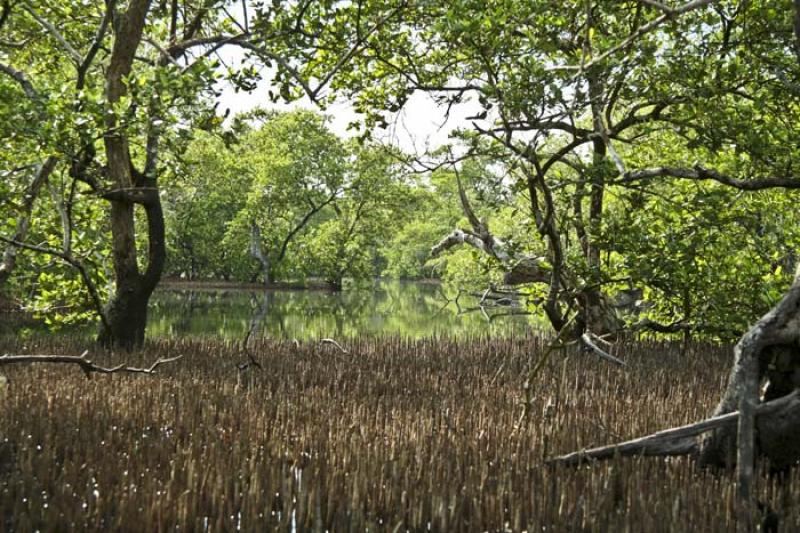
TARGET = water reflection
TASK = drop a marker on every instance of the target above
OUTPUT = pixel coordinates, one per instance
(392, 308)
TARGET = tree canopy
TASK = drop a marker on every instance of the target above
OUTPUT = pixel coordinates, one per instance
(598, 111)
(616, 148)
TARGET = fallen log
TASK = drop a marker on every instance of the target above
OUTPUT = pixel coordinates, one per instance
(777, 425)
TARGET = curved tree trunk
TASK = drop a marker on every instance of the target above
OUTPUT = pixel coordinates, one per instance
(775, 335)
(126, 312)
(741, 428)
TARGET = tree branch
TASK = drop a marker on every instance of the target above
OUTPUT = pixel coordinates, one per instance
(133, 195)
(458, 237)
(587, 341)
(73, 54)
(84, 363)
(73, 262)
(23, 222)
(700, 173)
(22, 79)
(676, 441)
(84, 65)
(669, 13)
(333, 343)
(5, 13)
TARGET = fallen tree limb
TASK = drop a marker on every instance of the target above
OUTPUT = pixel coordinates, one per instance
(84, 363)
(587, 341)
(780, 325)
(771, 417)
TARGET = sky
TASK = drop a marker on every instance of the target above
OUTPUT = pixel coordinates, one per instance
(420, 125)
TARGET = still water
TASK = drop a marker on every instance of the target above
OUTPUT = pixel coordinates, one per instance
(408, 309)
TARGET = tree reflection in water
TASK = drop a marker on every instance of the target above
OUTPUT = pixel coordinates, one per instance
(409, 309)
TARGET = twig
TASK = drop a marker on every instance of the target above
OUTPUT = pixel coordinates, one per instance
(86, 365)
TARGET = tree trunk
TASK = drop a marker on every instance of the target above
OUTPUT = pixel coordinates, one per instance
(257, 251)
(126, 312)
(776, 334)
(595, 312)
(741, 428)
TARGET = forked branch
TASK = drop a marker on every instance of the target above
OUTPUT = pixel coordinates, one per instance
(586, 340)
(84, 363)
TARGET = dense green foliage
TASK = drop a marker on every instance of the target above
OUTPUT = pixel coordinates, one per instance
(596, 111)
(318, 206)
(614, 146)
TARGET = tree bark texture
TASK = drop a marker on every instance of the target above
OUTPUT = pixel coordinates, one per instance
(780, 327)
(126, 311)
(741, 428)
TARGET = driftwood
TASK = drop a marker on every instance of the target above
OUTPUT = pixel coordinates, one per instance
(84, 363)
(772, 420)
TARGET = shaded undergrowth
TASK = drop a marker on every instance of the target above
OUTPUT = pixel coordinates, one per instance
(395, 435)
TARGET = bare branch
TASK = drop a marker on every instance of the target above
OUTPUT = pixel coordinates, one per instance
(456, 238)
(83, 68)
(165, 55)
(22, 79)
(466, 207)
(587, 341)
(677, 441)
(84, 363)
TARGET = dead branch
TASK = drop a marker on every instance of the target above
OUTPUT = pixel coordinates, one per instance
(587, 341)
(681, 440)
(84, 363)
